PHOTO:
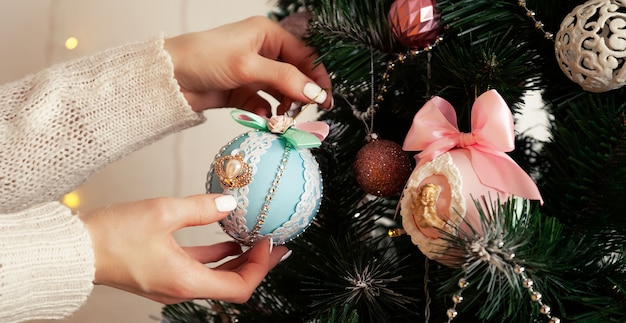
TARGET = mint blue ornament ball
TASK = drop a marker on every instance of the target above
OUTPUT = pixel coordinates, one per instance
(278, 188)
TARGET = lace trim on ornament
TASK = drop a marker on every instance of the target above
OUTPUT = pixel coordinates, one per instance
(252, 147)
(306, 207)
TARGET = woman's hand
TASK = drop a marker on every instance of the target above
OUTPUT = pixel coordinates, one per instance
(226, 66)
(136, 252)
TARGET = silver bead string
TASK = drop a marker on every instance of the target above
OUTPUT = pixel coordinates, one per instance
(494, 255)
(260, 220)
(426, 292)
(376, 99)
(401, 59)
(538, 24)
(535, 296)
(457, 298)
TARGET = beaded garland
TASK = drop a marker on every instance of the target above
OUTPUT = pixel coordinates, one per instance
(505, 258)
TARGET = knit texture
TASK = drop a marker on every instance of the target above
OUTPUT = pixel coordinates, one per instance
(57, 127)
(46, 263)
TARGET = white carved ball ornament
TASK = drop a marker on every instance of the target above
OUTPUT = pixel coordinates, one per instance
(591, 45)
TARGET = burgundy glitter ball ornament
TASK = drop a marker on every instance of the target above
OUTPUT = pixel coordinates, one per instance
(415, 23)
(382, 167)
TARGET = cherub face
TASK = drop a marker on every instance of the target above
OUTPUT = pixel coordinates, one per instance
(429, 193)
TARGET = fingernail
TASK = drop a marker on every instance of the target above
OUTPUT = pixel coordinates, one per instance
(225, 203)
(314, 93)
(285, 256)
(271, 245)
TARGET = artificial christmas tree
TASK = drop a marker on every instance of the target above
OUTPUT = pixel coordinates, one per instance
(522, 261)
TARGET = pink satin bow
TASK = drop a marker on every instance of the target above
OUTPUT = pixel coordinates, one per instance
(317, 128)
(434, 132)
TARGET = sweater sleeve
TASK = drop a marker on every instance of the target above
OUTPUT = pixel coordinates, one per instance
(46, 263)
(57, 127)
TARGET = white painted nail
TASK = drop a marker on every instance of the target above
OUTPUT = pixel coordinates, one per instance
(314, 93)
(225, 203)
(271, 245)
(285, 256)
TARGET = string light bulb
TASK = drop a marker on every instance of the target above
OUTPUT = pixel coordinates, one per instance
(71, 43)
(71, 200)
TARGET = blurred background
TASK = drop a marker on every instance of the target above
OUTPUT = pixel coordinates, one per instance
(34, 35)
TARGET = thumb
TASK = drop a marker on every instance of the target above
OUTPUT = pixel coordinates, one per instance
(204, 209)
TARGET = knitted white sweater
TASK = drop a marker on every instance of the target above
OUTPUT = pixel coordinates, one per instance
(57, 127)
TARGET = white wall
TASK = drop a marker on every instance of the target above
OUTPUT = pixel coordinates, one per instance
(32, 35)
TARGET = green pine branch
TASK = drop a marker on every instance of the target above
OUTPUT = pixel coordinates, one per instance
(350, 37)
(585, 159)
(561, 267)
(343, 267)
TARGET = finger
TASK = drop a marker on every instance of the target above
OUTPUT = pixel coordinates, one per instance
(290, 81)
(297, 69)
(235, 263)
(279, 43)
(199, 209)
(213, 253)
(257, 104)
(236, 286)
(278, 252)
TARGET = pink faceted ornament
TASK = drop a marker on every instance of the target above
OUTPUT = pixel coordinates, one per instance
(415, 23)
